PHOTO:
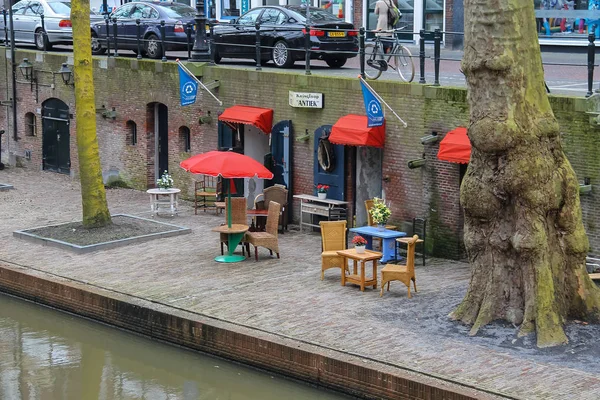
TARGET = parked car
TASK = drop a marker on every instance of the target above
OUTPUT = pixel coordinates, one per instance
(150, 13)
(281, 30)
(27, 22)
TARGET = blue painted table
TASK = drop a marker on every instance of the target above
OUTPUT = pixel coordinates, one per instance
(388, 240)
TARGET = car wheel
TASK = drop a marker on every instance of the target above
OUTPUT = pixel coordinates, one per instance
(282, 57)
(153, 47)
(41, 40)
(336, 62)
(97, 48)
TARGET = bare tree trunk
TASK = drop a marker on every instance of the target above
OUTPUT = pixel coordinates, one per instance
(93, 195)
(523, 229)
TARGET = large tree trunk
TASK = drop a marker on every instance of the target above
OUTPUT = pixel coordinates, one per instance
(93, 195)
(523, 229)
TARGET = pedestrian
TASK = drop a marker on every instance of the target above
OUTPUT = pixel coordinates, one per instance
(383, 22)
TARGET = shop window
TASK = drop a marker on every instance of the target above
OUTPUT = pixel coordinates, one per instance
(231, 8)
(30, 126)
(131, 133)
(184, 139)
(556, 21)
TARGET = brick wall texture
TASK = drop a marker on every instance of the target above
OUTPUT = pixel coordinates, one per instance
(133, 87)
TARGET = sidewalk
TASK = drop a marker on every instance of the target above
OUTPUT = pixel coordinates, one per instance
(287, 298)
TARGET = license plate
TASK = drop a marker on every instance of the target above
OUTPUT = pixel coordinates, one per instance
(336, 34)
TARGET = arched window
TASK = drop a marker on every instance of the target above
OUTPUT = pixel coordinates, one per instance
(30, 126)
(184, 139)
(131, 133)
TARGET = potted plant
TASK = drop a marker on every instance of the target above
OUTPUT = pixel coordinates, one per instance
(359, 243)
(322, 191)
(380, 213)
(165, 182)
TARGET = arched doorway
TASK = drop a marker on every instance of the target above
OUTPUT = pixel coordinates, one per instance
(157, 136)
(56, 139)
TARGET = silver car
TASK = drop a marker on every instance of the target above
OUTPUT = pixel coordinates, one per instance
(28, 25)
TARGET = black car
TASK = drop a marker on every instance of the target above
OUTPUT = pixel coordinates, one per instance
(282, 29)
(150, 13)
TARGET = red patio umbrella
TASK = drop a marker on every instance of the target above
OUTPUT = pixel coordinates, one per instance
(226, 164)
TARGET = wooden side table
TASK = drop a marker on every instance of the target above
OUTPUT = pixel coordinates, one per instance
(361, 279)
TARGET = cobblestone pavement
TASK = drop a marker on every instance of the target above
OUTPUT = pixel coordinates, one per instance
(286, 296)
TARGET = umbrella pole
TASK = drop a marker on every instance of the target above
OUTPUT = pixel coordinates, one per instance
(229, 205)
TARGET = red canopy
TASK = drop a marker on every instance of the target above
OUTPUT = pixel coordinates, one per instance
(227, 164)
(353, 131)
(262, 118)
(456, 146)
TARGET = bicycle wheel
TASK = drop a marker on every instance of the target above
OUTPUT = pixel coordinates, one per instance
(372, 52)
(403, 63)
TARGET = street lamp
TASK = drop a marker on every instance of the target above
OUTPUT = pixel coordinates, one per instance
(200, 51)
(65, 72)
(26, 69)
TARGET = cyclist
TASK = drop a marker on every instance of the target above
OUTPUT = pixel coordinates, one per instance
(383, 22)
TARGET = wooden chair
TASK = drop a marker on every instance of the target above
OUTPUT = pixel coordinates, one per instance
(206, 193)
(279, 194)
(238, 216)
(333, 238)
(268, 238)
(419, 227)
(402, 273)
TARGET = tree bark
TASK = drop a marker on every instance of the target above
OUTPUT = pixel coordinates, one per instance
(523, 228)
(93, 195)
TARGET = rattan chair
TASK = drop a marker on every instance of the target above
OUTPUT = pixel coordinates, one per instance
(333, 238)
(238, 216)
(268, 238)
(402, 273)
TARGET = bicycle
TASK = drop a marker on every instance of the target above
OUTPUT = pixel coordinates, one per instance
(399, 58)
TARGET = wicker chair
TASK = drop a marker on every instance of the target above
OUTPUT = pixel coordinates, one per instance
(238, 216)
(333, 238)
(279, 194)
(402, 273)
(266, 239)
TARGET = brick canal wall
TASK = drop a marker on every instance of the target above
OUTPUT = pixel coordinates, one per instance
(318, 365)
(133, 87)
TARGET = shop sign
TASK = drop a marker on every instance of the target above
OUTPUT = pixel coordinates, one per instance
(306, 100)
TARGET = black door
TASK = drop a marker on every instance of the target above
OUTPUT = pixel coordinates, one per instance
(56, 154)
(162, 136)
(231, 137)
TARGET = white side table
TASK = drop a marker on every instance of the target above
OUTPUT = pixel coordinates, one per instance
(157, 199)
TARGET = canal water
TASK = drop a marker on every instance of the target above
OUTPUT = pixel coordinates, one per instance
(49, 355)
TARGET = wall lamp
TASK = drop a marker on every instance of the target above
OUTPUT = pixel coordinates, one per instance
(430, 138)
(586, 187)
(31, 76)
(66, 74)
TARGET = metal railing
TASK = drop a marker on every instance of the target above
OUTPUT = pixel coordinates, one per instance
(111, 40)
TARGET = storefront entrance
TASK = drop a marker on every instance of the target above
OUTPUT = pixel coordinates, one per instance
(56, 154)
(416, 15)
(368, 179)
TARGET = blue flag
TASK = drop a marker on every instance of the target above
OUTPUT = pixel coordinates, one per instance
(372, 106)
(188, 87)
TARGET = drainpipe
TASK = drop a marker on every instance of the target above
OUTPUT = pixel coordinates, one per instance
(14, 72)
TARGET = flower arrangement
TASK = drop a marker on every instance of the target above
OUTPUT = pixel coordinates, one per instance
(379, 212)
(165, 181)
(322, 188)
(359, 241)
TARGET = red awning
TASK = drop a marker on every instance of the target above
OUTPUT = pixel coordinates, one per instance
(352, 130)
(456, 146)
(262, 118)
